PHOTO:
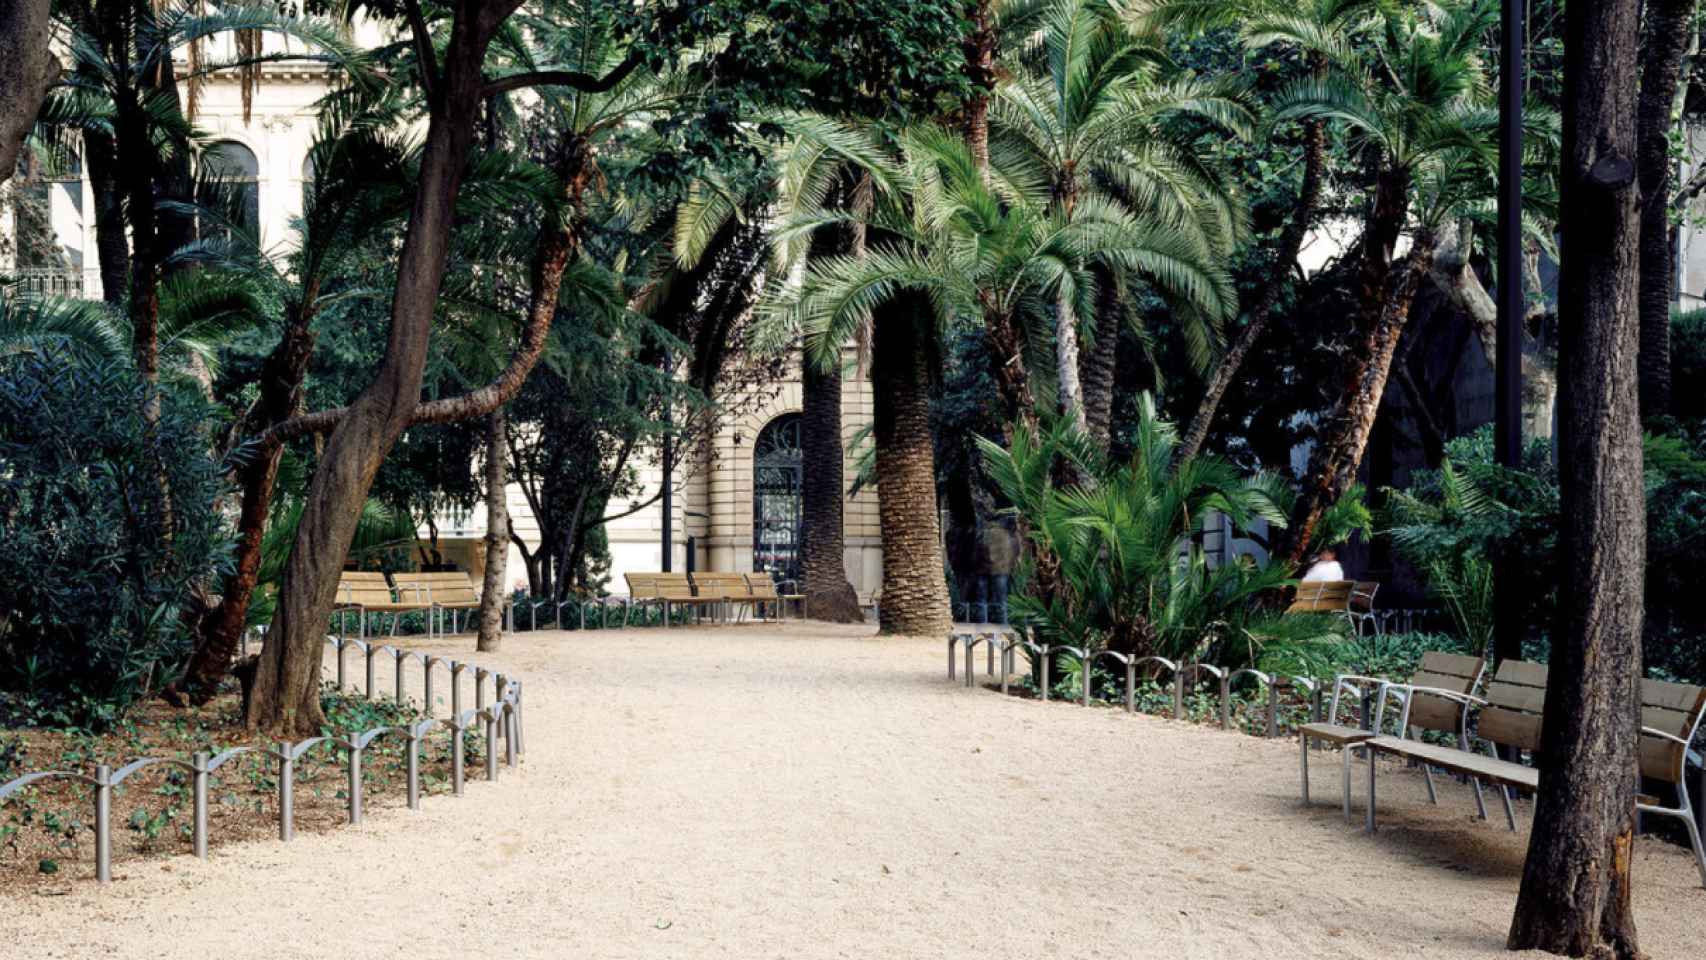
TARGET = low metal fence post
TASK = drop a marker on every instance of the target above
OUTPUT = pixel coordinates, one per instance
(1086, 674)
(456, 761)
(198, 763)
(989, 654)
(370, 651)
(398, 656)
(341, 683)
(952, 640)
(412, 767)
(970, 643)
(508, 725)
(1131, 686)
(286, 802)
(1273, 707)
(1044, 658)
(103, 824)
(1179, 692)
(354, 779)
(480, 675)
(520, 740)
(491, 744)
(456, 669)
(1225, 702)
(426, 682)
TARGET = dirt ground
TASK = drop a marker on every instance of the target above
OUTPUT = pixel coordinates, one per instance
(768, 792)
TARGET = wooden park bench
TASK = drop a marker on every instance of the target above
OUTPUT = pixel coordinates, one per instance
(728, 591)
(1670, 717)
(365, 591)
(1322, 596)
(1455, 673)
(1359, 607)
(446, 593)
(669, 590)
(1510, 717)
(763, 591)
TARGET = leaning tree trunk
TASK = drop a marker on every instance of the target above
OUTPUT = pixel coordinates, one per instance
(1285, 261)
(27, 69)
(828, 594)
(915, 593)
(497, 537)
(1575, 895)
(1338, 454)
(1662, 48)
(285, 696)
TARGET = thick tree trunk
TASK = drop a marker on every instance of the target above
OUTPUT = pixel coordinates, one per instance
(286, 691)
(1067, 358)
(980, 70)
(1334, 462)
(1665, 41)
(1291, 242)
(915, 593)
(1575, 895)
(497, 537)
(27, 69)
(112, 247)
(829, 595)
(1096, 369)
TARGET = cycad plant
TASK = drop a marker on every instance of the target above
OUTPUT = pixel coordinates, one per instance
(1132, 575)
(1444, 535)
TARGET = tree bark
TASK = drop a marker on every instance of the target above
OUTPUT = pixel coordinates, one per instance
(1337, 455)
(1667, 34)
(1575, 895)
(980, 70)
(915, 593)
(285, 699)
(27, 69)
(824, 566)
(1291, 243)
(1067, 358)
(1096, 369)
(112, 247)
(497, 537)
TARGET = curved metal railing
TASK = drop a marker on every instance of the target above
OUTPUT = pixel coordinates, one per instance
(1004, 645)
(499, 720)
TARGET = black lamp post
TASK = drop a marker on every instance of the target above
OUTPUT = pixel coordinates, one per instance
(1507, 394)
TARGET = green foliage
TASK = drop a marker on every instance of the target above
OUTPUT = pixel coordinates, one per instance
(107, 529)
(1131, 572)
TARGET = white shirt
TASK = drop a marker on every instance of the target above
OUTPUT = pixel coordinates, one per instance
(1328, 570)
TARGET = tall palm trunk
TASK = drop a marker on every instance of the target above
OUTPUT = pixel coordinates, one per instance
(915, 594)
(1387, 293)
(828, 594)
(1096, 367)
(112, 247)
(1662, 48)
(497, 536)
(980, 70)
(1575, 894)
(1291, 242)
(285, 697)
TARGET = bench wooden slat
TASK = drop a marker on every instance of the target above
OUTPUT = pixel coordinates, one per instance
(1681, 697)
(1512, 697)
(1461, 761)
(1523, 673)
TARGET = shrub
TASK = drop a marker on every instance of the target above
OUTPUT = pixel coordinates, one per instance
(108, 525)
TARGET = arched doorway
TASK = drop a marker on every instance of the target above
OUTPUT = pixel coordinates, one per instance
(231, 184)
(776, 466)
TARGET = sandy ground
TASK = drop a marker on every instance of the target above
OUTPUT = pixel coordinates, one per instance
(754, 793)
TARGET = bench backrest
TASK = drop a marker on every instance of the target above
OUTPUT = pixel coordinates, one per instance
(1322, 596)
(1362, 596)
(642, 586)
(761, 587)
(671, 586)
(1455, 672)
(1672, 708)
(1516, 699)
(364, 588)
(449, 587)
(721, 586)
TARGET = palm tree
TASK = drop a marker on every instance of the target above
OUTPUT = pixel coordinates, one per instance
(1324, 32)
(1418, 108)
(1088, 107)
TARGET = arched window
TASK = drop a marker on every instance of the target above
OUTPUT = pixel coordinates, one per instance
(776, 468)
(233, 182)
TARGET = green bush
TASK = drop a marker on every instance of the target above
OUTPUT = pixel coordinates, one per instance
(108, 524)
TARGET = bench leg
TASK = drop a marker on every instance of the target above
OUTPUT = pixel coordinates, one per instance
(1371, 772)
(1428, 775)
(1345, 781)
(1694, 839)
(1480, 803)
(1303, 741)
(1510, 815)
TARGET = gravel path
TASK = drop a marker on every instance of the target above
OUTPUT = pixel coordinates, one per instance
(759, 793)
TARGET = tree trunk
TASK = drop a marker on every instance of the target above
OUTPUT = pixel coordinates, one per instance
(1666, 40)
(980, 70)
(280, 392)
(915, 593)
(1291, 242)
(1067, 358)
(497, 538)
(286, 692)
(1338, 454)
(1096, 369)
(1575, 895)
(112, 247)
(824, 566)
(27, 69)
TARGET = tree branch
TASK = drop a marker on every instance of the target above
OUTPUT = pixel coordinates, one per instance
(423, 48)
(584, 82)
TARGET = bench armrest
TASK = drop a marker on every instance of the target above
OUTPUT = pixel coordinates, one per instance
(1650, 732)
(1404, 690)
